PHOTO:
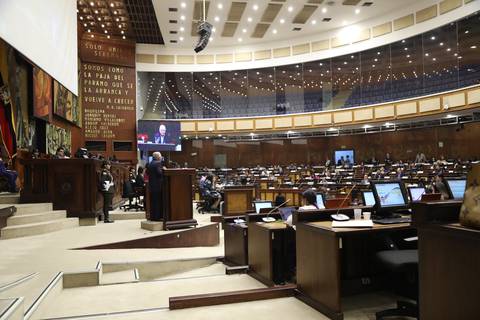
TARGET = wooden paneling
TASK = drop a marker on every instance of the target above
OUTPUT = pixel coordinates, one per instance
(244, 124)
(323, 118)
(403, 22)
(263, 54)
(264, 123)
(281, 52)
(429, 105)
(302, 121)
(400, 144)
(449, 5)
(406, 108)
(185, 59)
(362, 36)
(363, 114)
(339, 41)
(243, 56)
(473, 96)
(165, 59)
(341, 117)
(384, 111)
(206, 125)
(205, 59)
(283, 122)
(226, 125)
(426, 14)
(301, 49)
(224, 58)
(187, 126)
(145, 58)
(382, 29)
(321, 45)
(454, 100)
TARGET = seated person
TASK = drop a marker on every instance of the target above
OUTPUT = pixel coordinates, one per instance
(209, 192)
(365, 179)
(439, 186)
(139, 180)
(309, 203)
(10, 175)
(60, 153)
(279, 200)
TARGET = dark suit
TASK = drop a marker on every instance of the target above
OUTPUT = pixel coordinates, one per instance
(106, 176)
(155, 180)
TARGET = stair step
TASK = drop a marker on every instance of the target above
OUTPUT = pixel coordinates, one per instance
(31, 229)
(27, 208)
(127, 215)
(36, 217)
(118, 277)
(9, 198)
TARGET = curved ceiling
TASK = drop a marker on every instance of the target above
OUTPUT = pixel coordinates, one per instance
(242, 22)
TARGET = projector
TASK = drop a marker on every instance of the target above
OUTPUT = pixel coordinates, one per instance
(204, 31)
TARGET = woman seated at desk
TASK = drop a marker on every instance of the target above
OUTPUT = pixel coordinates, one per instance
(309, 203)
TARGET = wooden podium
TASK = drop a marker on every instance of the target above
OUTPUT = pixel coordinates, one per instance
(177, 201)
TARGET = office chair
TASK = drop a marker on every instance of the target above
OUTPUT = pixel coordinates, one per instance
(132, 192)
(401, 262)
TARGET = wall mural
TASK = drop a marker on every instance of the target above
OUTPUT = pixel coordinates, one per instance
(66, 104)
(42, 94)
(58, 137)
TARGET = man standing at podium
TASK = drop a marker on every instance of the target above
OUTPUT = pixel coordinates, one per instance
(155, 180)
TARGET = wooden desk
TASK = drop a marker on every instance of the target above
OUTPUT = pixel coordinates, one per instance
(70, 184)
(237, 199)
(449, 260)
(236, 243)
(270, 251)
(319, 262)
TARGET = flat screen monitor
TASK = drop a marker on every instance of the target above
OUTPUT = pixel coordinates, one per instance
(158, 135)
(286, 212)
(320, 201)
(346, 154)
(368, 198)
(416, 193)
(389, 194)
(456, 188)
(262, 204)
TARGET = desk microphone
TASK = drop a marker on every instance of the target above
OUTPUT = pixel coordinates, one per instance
(342, 217)
(269, 219)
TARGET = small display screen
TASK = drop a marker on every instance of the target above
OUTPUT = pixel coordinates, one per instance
(390, 194)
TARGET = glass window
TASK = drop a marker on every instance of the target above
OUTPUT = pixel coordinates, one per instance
(261, 91)
(440, 59)
(206, 95)
(177, 98)
(407, 68)
(289, 89)
(376, 77)
(469, 50)
(346, 81)
(317, 84)
(234, 93)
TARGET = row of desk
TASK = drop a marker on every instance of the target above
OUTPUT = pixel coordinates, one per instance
(331, 262)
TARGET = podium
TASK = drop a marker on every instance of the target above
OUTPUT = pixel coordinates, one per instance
(177, 199)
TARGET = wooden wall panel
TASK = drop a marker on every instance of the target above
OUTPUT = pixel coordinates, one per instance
(403, 145)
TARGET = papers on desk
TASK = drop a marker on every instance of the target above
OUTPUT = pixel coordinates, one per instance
(353, 224)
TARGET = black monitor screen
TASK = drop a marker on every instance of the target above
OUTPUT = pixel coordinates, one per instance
(320, 202)
(416, 193)
(389, 194)
(158, 135)
(368, 198)
(346, 154)
(261, 205)
(456, 188)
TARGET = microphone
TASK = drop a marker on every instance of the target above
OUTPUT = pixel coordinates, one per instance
(336, 216)
(267, 218)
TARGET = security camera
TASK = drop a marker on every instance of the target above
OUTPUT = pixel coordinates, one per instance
(204, 31)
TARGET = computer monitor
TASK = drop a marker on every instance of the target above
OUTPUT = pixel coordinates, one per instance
(262, 204)
(368, 198)
(286, 212)
(389, 195)
(344, 153)
(456, 188)
(416, 193)
(320, 201)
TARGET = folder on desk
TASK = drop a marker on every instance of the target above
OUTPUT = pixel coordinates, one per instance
(353, 224)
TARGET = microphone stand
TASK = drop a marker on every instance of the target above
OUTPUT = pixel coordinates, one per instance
(268, 214)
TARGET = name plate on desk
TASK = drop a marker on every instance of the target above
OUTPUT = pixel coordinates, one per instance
(353, 224)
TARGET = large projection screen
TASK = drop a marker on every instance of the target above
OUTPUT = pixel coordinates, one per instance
(46, 33)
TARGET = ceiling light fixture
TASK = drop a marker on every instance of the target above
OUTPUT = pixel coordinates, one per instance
(314, 21)
(183, 5)
(220, 6)
(282, 20)
(255, 7)
(357, 11)
(249, 19)
(290, 9)
(216, 19)
(324, 10)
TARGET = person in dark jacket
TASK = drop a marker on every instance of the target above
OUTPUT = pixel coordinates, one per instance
(106, 188)
(140, 181)
(155, 180)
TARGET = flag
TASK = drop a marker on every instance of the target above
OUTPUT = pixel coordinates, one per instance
(7, 121)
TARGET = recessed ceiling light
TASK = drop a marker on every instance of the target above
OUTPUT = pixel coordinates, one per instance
(426, 54)
(244, 30)
(290, 9)
(220, 6)
(181, 38)
(448, 49)
(210, 39)
(314, 21)
(183, 4)
(112, 5)
(217, 18)
(274, 31)
(357, 11)
(214, 29)
(240, 39)
(282, 20)
(324, 10)
(466, 31)
(441, 43)
(255, 7)
(91, 3)
(182, 29)
(432, 38)
(249, 19)
(108, 36)
(182, 17)
(123, 37)
(473, 47)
